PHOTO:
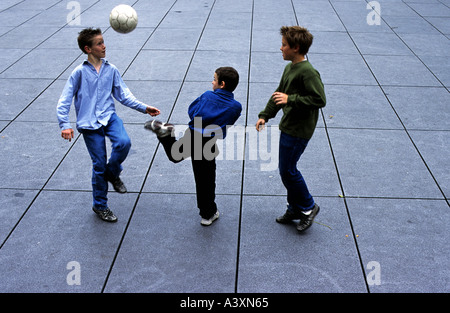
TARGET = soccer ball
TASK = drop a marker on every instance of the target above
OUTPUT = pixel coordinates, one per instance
(123, 18)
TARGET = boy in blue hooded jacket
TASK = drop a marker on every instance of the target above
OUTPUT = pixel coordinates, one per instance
(210, 115)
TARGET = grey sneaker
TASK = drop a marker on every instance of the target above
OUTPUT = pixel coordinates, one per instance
(288, 217)
(206, 222)
(159, 128)
(106, 215)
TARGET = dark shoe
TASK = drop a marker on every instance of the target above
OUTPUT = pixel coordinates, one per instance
(117, 183)
(160, 129)
(106, 215)
(288, 217)
(307, 220)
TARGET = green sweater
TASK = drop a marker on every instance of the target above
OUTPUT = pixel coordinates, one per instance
(302, 83)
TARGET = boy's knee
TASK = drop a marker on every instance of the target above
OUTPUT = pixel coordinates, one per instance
(127, 143)
(99, 167)
(287, 174)
(123, 145)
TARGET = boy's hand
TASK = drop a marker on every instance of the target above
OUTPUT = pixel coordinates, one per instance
(279, 98)
(260, 124)
(152, 111)
(67, 134)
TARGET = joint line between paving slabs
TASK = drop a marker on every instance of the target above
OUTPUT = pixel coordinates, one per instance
(334, 158)
(238, 249)
(156, 149)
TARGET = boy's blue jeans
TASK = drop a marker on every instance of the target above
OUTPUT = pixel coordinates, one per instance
(290, 150)
(96, 144)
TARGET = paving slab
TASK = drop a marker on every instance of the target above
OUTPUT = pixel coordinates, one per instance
(230, 39)
(60, 227)
(330, 42)
(160, 94)
(167, 250)
(438, 45)
(410, 25)
(430, 144)
(349, 70)
(319, 22)
(15, 17)
(41, 64)
(177, 39)
(3, 124)
(440, 66)
(202, 70)
(42, 108)
(433, 9)
(440, 23)
(13, 205)
(9, 56)
(418, 266)
(354, 16)
(400, 71)
(390, 44)
(159, 65)
(274, 258)
(359, 107)
(17, 94)
(259, 95)
(420, 108)
(263, 63)
(27, 161)
(385, 164)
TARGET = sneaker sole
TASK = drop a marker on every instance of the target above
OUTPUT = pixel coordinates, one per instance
(214, 218)
(162, 130)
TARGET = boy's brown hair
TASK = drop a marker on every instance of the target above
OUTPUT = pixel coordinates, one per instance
(86, 36)
(228, 75)
(297, 36)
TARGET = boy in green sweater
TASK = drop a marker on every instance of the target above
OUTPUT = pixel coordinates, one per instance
(300, 94)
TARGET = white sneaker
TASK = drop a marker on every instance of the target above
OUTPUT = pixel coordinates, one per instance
(206, 222)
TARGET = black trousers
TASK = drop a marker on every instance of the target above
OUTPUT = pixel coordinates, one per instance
(203, 152)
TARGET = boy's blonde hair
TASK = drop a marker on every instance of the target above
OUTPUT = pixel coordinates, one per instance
(297, 36)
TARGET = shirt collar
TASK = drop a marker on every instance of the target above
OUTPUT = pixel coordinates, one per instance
(224, 92)
(105, 61)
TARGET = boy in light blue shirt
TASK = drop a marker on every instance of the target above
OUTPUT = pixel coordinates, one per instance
(93, 86)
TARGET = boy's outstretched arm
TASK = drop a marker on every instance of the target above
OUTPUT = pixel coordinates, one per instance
(152, 111)
(64, 103)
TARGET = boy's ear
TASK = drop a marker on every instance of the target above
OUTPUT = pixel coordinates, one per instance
(222, 84)
(87, 49)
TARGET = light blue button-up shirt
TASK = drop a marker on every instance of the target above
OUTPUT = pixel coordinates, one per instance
(93, 94)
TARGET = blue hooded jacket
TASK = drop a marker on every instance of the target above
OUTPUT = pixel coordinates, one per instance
(213, 111)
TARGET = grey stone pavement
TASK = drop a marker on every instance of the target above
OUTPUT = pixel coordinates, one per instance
(378, 164)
